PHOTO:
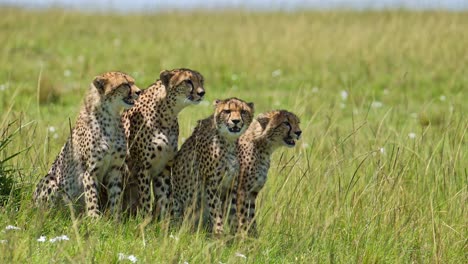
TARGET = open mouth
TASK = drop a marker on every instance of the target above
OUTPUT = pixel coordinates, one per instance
(234, 129)
(193, 100)
(129, 101)
(289, 141)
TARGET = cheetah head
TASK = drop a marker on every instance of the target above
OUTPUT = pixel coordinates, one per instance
(281, 127)
(186, 85)
(233, 116)
(116, 89)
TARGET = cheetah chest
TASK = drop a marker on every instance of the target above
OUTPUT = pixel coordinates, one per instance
(260, 176)
(231, 169)
(110, 152)
(164, 146)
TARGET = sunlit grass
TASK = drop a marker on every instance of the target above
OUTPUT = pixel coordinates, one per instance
(379, 175)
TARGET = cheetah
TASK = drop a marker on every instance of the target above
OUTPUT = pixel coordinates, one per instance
(265, 134)
(207, 162)
(152, 131)
(92, 160)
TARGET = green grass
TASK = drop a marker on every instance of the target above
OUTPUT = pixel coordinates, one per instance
(357, 188)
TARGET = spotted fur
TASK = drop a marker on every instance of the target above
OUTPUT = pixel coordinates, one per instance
(206, 164)
(152, 131)
(266, 133)
(92, 159)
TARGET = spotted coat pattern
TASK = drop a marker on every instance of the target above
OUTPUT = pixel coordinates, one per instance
(92, 159)
(152, 131)
(206, 164)
(266, 133)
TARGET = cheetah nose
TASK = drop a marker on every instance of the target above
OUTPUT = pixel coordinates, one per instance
(298, 133)
(235, 121)
(201, 93)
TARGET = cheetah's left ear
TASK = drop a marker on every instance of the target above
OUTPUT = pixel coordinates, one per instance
(216, 102)
(165, 77)
(251, 105)
(263, 120)
(99, 82)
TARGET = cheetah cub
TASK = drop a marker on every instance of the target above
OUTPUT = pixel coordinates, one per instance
(152, 131)
(207, 163)
(266, 133)
(92, 159)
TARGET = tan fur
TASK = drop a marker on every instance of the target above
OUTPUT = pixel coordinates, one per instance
(207, 163)
(152, 131)
(266, 133)
(92, 159)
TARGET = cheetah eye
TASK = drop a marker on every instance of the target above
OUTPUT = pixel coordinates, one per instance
(226, 111)
(286, 123)
(189, 82)
(243, 112)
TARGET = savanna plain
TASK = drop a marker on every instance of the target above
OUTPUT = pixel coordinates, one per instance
(379, 175)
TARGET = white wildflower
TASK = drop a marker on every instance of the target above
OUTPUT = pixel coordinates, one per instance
(41, 239)
(442, 98)
(376, 104)
(3, 87)
(3, 241)
(81, 58)
(174, 237)
(412, 135)
(342, 105)
(11, 227)
(344, 95)
(67, 73)
(277, 103)
(51, 129)
(305, 145)
(240, 255)
(414, 115)
(382, 150)
(276, 73)
(315, 90)
(55, 136)
(132, 258)
(59, 238)
(186, 262)
(234, 77)
(386, 91)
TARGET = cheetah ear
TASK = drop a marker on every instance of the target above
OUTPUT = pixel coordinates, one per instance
(263, 120)
(251, 105)
(99, 82)
(216, 102)
(165, 77)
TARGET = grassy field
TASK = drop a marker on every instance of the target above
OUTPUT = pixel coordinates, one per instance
(380, 175)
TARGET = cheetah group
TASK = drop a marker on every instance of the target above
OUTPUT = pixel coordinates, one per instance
(122, 155)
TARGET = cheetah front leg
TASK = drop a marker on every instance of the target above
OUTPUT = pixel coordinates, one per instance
(162, 192)
(144, 195)
(114, 187)
(232, 213)
(91, 195)
(215, 206)
(246, 213)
